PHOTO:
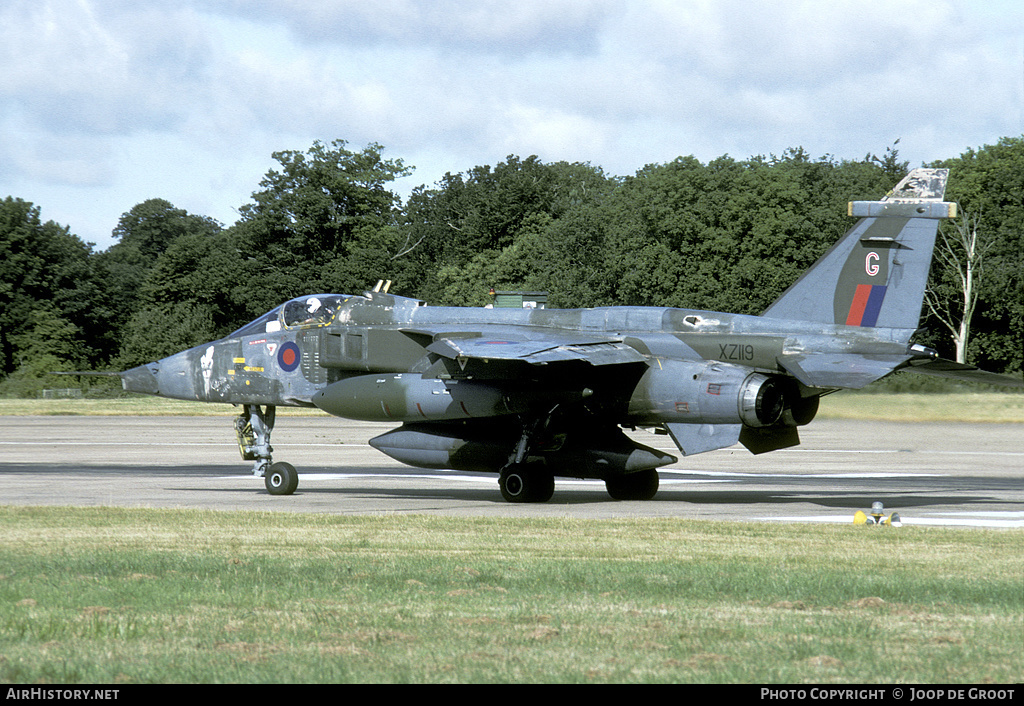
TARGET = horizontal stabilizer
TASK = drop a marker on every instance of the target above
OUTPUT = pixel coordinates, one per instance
(840, 370)
(940, 367)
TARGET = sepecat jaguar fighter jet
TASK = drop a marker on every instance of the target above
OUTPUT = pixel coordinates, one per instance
(530, 394)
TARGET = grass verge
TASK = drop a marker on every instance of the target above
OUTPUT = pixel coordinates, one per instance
(994, 407)
(131, 406)
(108, 596)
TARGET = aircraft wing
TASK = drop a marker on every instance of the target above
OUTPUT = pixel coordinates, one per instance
(597, 350)
(507, 354)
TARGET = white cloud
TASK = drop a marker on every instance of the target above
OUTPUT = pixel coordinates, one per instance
(74, 68)
(447, 26)
(108, 102)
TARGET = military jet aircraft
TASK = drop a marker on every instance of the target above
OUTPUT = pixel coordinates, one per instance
(531, 394)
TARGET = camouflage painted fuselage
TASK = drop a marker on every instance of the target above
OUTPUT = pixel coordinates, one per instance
(381, 333)
(549, 389)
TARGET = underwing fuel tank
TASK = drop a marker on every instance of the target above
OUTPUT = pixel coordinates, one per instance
(485, 448)
(409, 397)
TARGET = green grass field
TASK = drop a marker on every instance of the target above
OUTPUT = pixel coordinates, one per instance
(111, 596)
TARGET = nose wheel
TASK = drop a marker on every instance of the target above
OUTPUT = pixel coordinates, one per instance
(281, 479)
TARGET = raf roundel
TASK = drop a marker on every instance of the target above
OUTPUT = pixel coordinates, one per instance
(288, 356)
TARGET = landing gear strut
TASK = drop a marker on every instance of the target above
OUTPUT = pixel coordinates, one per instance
(521, 481)
(253, 427)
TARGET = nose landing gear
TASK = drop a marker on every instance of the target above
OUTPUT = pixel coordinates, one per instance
(253, 427)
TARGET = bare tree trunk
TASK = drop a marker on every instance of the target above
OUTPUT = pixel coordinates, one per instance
(960, 255)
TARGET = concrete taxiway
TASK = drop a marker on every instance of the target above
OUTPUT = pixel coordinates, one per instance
(930, 473)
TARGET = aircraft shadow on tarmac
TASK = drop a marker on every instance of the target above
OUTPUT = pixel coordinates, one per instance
(105, 469)
(853, 499)
(964, 492)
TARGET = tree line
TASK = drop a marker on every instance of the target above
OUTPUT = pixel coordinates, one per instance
(728, 235)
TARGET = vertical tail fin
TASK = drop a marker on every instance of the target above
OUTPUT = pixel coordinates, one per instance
(876, 274)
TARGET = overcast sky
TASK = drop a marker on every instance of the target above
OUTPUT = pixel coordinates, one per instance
(107, 103)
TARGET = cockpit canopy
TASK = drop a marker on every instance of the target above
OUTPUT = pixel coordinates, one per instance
(309, 311)
(315, 310)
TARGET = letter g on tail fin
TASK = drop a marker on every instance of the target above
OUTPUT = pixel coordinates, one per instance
(876, 274)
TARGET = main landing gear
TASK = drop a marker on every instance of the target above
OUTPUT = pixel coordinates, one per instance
(599, 451)
(253, 427)
(642, 485)
(522, 481)
(526, 483)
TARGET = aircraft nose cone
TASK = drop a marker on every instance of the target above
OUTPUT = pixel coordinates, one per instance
(168, 377)
(176, 376)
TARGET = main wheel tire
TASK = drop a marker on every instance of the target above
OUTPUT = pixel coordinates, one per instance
(543, 485)
(634, 486)
(281, 479)
(526, 483)
(514, 484)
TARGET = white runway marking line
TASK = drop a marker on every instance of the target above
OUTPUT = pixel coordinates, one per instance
(845, 476)
(457, 476)
(489, 479)
(586, 482)
(666, 479)
(228, 444)
(994, 520)
(310, 477)
(925, 452)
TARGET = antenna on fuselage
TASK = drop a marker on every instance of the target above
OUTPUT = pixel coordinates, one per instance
(382, 286)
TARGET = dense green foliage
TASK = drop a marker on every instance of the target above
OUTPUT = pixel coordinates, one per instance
(50, 294)
(989, 183)
(728, 235)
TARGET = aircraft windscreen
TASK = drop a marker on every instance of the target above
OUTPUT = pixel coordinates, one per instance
(315, 310)
(259, 325)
